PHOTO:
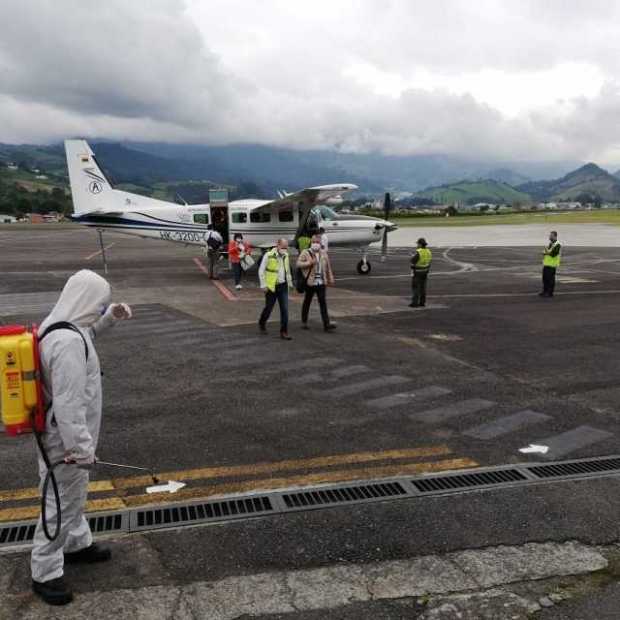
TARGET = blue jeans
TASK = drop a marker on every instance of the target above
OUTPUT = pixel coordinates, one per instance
(281, 296)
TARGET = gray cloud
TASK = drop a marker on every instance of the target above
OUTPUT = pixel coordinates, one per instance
(276, 73)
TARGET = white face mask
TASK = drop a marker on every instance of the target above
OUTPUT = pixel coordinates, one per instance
(316, 247)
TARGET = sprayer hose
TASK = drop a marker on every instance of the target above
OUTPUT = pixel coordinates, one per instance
(49, 476)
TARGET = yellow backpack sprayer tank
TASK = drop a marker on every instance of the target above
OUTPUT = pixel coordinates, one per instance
(23, 407)
(21, 400)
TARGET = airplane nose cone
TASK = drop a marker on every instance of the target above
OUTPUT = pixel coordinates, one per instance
(384, 224)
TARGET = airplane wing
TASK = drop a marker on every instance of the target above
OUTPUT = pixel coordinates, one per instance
(306, 198)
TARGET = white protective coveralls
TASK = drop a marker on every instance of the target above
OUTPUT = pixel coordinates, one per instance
(73, 386)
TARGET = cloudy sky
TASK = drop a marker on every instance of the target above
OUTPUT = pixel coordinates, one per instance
(506, 79)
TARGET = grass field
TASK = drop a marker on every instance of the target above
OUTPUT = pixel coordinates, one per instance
(607, 216)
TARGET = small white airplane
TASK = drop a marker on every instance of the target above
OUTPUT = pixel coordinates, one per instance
(261, 222)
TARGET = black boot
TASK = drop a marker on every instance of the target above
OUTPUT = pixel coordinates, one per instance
(53, 592)
(90, 555)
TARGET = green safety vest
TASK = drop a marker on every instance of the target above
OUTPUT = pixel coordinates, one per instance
(424, 262)
(273, 267)
(552, 261)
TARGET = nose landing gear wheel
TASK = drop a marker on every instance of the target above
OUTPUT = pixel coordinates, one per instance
(363, 268)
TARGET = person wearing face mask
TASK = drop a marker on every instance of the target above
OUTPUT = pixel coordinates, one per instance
(551, 262)
(275, 279)
(317, 272)
(238, 249)
(71, 378)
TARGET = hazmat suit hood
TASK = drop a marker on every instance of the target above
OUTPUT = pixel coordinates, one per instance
(83, 300)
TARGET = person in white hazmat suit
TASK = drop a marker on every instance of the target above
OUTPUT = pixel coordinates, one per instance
(72, 388)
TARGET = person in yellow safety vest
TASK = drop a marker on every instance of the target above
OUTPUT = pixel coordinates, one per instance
(551, 261)
(275, 278)
(420, 266)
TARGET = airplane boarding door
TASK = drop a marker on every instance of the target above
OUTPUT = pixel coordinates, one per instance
(218, 203)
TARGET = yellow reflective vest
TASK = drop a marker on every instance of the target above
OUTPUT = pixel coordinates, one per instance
(273, 267)
(552, 261)
(424, 262)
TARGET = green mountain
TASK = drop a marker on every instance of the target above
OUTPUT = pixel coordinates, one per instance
(590, 183)
(506, 175)
(472, 192)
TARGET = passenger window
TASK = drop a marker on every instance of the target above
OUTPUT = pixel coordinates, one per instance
(260, 217)
(286, 216)
(239, 217)
(201, 218)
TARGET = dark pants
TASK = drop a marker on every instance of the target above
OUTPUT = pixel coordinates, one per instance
(237, 271)
(212, 256)
(548, 278)
(281, 296)
(418, 288)
(320, 293)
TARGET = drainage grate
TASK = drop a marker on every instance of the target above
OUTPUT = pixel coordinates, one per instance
(463, 481)
(343, 495)
(576, 468)
(17, 533)
(100, 524)
(152, 518)
(278, 502)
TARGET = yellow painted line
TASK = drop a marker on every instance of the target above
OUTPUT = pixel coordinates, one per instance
(255, 469)
(269, 484)
(268, 468)
(33, 492)
(32, 512)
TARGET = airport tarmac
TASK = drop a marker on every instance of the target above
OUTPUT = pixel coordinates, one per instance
(192, 389)
(511, 235)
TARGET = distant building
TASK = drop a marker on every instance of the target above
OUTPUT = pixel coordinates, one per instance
(12, 166)
(41, 176)
(7, 219)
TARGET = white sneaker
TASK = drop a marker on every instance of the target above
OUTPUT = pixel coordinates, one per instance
(238, 287)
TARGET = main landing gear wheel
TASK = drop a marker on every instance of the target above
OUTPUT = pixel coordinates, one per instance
(363, 268)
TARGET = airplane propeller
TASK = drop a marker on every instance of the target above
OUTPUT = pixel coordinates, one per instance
(387, 205)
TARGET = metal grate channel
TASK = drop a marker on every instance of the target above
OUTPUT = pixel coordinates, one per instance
(457, 482)
(113, 522)
(342, 495)
(17, 533)
(576, 468)
(188, 514)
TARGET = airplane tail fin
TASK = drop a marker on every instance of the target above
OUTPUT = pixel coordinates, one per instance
(90, 188)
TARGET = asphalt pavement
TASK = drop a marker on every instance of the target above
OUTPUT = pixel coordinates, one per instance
(192, 389)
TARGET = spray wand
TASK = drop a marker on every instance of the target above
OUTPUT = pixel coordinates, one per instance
(151, 471)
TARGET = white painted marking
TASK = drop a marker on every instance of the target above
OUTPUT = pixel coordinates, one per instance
(364, 386)
(507, 424)
(404, 398)
(534, 449)
(574, 439)
(172, 486)
(462, 265)
(461, 408)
